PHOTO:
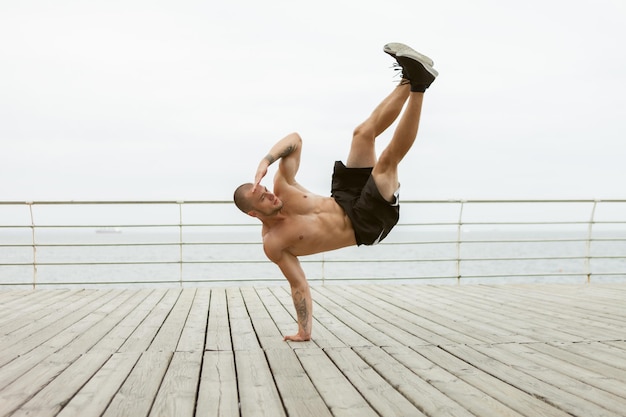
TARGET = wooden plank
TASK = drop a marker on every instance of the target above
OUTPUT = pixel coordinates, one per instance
(267, 332)
(383, 397)
(30, 307)
(44, 390)
(618, 346)
(456, 390)
(168, 335)
(13, 300)
(338, 393)
(598, 389)
(136, 395)
(143, 335)
(24, 363)
(70, 310)
(508, 395)
(375, 329)
(299, 395)
(217, 394)
(405, 377)
(505, 320)
(93, 398)
(512, 314)
(218, 331)
(242, 332)
(380, 317)
(14, 295)
(411, 316)
(74, 339)
(177, 393)
(27, 339)
(194, 331)
(485, 316)
(103, 320)
(519, 312)
(236, 306)
(526, 381)
(257, 392)
(279, 312)
(116, 338)
(592, 364)
(51, 398)
(603, 308)
(546, 305)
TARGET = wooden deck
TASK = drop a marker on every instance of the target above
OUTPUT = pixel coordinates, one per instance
(377, 350)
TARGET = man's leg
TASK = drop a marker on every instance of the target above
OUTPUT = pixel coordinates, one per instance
(385, 171)
(362, 150)
(418, 69)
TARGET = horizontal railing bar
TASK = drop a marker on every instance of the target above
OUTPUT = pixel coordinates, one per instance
(210, 225)
(126, 226)
(115, 202)
(222, 281)
(412, 201)
(536, 223)
(314, 261)
(529, 275)
(100, 245)
(219, 243)
(134, 282)
(311, 279)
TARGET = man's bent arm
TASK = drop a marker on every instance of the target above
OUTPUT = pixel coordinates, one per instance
(300, 292)
(288, 150)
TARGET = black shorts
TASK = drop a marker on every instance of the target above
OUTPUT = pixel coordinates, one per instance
(371, 215)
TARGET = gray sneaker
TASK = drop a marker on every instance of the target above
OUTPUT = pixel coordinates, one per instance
(394, 48)
(416, 68)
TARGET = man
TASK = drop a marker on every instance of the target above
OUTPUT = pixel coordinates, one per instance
(363, 207)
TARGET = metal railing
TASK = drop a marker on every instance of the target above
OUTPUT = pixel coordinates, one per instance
(85, 243)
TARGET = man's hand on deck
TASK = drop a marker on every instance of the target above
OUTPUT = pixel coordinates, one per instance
(297, 338)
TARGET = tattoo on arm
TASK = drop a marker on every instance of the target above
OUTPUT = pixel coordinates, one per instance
(287, 151)
(301, 310)
(271, 159)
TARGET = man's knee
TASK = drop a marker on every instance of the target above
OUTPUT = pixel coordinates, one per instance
(387, 162)
(364, 132)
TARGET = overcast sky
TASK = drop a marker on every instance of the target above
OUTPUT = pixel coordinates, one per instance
(179, 100)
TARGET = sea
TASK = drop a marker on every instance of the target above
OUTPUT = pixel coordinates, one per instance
(233, 256)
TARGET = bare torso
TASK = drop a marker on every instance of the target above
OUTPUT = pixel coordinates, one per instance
(307, 223)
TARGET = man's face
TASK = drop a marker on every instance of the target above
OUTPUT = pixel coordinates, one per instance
(264, 202)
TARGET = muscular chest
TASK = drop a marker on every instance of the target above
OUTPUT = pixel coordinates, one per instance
(311, 224)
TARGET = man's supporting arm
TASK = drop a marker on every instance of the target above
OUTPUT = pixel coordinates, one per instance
(300, 292)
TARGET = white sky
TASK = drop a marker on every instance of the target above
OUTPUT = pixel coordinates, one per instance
(138, 99)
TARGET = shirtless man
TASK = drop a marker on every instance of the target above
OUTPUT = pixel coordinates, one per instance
(363, 207)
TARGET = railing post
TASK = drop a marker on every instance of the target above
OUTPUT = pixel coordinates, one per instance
(458, 244)
(180, 239)
(589, 236)
(32, 227)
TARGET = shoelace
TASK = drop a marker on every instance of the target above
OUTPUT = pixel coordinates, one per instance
(400, 72)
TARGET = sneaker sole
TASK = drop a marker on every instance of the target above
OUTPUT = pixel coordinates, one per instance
(395, 48)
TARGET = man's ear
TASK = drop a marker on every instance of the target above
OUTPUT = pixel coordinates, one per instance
(253, 213)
